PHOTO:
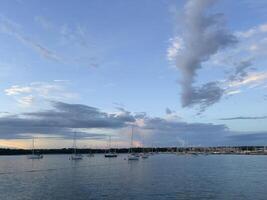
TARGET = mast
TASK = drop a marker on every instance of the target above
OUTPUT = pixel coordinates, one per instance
(32, 145)
(131, 140)
(74, 143)
(109, 144)
(143, 144)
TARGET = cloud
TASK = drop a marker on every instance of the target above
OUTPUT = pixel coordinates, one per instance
(26, 101)
(251, 79)
(25, 95)
(203, 96)
(262, 28)
(62, 120)
(171, 115)
(203, 36)
(176, 44)
(84, 52)
(47, 25)
(244, 118)
(11, 28)
(249, 138)
(16, 90)
(168, 111)
(232, 92)
(166, 132)
(253, 41)
(240, 70)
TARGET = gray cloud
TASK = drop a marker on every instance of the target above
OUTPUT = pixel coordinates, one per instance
(89, 122)
(203, 96)
(249, 138)
(62, 120)
(245, 118)
(241, 70)
(203, 36)
(169, 111)
(165, 132)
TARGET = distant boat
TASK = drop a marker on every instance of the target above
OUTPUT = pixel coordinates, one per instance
(132, 156)
(144, 155)
(34, 155)
(90, 154)
(75, 156)
(110, 154)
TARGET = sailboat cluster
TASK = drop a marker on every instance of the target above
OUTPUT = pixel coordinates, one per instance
(108, 154)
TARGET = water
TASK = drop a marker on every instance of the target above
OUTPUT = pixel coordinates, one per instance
(159, 177)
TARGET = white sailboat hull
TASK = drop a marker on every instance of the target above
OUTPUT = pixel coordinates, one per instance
(111, 155)
(144, 156)
(34, 156)
(76, 157)
(133, 157)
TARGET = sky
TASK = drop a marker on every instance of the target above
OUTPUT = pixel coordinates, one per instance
(182, 73)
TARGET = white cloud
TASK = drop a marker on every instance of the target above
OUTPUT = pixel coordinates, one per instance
(252, 31)
(232, 92)
(25, 95)
(26, 101)
(17, 90)
(251, 79)
(263, 28)
(176, 44)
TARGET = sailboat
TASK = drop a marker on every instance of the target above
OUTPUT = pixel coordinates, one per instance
(110, 154)
(34, 155)
(144, 155)
(90, 154)
(75, 156)
(132, 156)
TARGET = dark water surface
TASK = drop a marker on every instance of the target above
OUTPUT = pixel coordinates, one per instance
(159, 177)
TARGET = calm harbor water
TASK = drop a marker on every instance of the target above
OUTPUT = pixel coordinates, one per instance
(159, 177)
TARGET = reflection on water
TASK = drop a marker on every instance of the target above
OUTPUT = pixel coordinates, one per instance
(159, 177)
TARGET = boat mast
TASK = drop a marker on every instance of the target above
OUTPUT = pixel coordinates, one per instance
(131, 141)
(74, 143)
(32, 145)
(109, 144)
(143, 144)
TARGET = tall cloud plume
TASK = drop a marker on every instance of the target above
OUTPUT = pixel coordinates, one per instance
(203, 36)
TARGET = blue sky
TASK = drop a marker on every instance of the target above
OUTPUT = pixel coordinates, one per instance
(180, 62)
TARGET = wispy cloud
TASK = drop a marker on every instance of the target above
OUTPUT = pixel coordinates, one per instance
(232, 92)
(16, 90)
(11, 28)
(25, 95)
(244, 118)
(46, 24)
(26, 101)
(250, 80)
(176, 44)
(262, 28)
